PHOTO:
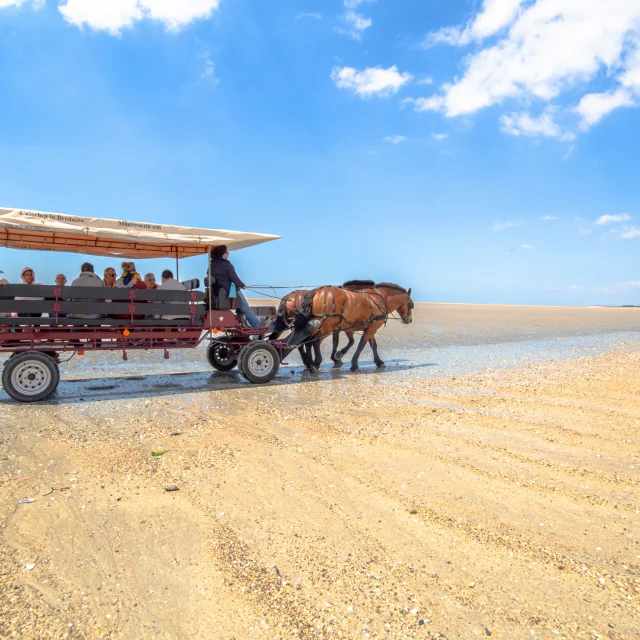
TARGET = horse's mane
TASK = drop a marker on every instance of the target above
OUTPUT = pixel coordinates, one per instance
(358, 283)
(391, 285)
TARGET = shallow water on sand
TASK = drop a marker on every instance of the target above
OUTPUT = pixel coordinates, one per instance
(443, 340)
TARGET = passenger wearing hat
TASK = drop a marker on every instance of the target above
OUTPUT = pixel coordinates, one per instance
(130, 278)
(28, 277)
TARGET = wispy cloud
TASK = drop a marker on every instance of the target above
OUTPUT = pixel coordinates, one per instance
(549, 218)
(209, 71)
(517, 124)
(425, 81)
(374, 81)
(622, 217)
(528, 247)
(621, 287)
(506, 224)
(439, 136)
(395, 139)
(310, 15)
(630, 233)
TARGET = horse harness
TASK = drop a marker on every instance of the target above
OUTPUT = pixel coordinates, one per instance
(384, 315)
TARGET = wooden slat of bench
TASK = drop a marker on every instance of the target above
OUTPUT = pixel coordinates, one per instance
(82, 322)
(104, 308)
(11, 291)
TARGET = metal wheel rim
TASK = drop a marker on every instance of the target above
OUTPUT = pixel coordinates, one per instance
(259, 363)
(222, 359)
(31, 378)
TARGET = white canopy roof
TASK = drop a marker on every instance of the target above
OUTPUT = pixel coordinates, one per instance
(39, 230)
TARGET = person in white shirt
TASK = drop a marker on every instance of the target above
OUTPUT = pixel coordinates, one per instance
(170, 284)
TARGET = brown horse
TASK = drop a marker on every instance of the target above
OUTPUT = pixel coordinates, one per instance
(292, 302)
(329, 309)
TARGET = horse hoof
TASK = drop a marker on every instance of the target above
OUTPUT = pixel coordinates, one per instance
(380, 365)
(355, 367)
(314, 369)
(337, 364)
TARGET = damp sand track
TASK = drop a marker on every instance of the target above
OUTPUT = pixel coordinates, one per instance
(486, 483)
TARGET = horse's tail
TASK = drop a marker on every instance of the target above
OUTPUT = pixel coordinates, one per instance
(279, 325)
(303, 314)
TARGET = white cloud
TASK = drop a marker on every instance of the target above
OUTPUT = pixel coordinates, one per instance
(439, 136)
(357, 25)
(620, 287)
(209, 71)
(312, 15)
(395, 139)
(500, 226)
(595, 106)
(551, 46)
(549, 218)
(495, 16)
(115, 15)
(630, 233)
(622, 217)
(528, 247)
(425, 81)
(577, 288)
(518, 124)
(370, 82)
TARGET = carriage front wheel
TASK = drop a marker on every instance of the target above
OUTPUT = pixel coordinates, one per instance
(260, 362)
(220, 357)
(30, 376)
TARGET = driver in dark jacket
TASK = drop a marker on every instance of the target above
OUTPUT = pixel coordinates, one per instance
(224, 273)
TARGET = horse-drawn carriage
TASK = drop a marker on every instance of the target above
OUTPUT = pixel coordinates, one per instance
(39, 323)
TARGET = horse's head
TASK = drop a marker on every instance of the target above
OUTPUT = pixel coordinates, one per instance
(406, 308)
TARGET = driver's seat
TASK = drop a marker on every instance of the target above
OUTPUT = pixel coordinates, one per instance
(219, 300)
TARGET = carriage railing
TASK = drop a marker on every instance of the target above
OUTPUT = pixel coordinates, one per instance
(116, 307)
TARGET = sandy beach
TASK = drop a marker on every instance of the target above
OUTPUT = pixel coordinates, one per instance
(485, 483)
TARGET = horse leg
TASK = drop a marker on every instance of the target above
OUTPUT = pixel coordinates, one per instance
(350, 344)
(303, 350)
(314, 363)
(374, 347)
(334, 351)
(356, 355)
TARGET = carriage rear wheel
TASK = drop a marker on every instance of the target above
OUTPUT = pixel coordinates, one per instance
(30, 376)
(259, 362)
(220, 357)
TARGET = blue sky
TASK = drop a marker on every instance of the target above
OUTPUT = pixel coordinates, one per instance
(476, 151)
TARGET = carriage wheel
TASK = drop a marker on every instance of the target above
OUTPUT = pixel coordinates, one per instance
(220, 357)
(259, 362)
(30, 377)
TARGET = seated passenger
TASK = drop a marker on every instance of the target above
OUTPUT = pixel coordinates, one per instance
(28, 276)
(150, 281)
(4, 315)
(87, 278)
(130, 278)
(225, 274)
(61, 280)
(169, 284)
(109, 277)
